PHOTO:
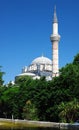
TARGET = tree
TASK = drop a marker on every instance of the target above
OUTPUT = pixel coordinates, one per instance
(76, 59)
(29, 111)
(9, 102)
(69, 111)
(1, 76)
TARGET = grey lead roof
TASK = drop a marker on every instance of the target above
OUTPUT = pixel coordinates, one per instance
(55, 20)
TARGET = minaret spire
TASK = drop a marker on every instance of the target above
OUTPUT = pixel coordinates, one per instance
(55, 38)
(55, 20)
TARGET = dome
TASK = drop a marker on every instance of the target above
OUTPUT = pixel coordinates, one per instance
(41, 60)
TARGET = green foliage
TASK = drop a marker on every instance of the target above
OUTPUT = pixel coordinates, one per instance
(1, 76)
(29, 111)
(55, 100)
(9, 101)
(76, 59)
(69, 111)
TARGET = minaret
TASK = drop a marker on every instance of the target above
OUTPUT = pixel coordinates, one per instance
(55, 37)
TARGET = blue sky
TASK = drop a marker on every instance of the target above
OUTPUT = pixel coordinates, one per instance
(25, 29)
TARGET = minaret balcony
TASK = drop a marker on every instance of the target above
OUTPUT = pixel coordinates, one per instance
(54, 38)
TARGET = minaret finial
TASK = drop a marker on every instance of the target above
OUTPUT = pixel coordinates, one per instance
(55, 16)
(42, 54)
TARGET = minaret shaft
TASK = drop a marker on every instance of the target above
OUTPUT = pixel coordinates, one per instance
(55, 28)
(55, 59)
(55, 37)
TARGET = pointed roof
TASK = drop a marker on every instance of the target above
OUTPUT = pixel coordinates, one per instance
(55, 20)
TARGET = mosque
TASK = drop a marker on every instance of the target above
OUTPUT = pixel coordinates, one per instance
(40, 66)
(43, 66)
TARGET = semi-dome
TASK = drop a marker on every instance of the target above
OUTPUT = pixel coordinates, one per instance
(41, 60)
(27, 74)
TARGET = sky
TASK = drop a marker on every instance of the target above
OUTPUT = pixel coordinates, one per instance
(25, 29)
